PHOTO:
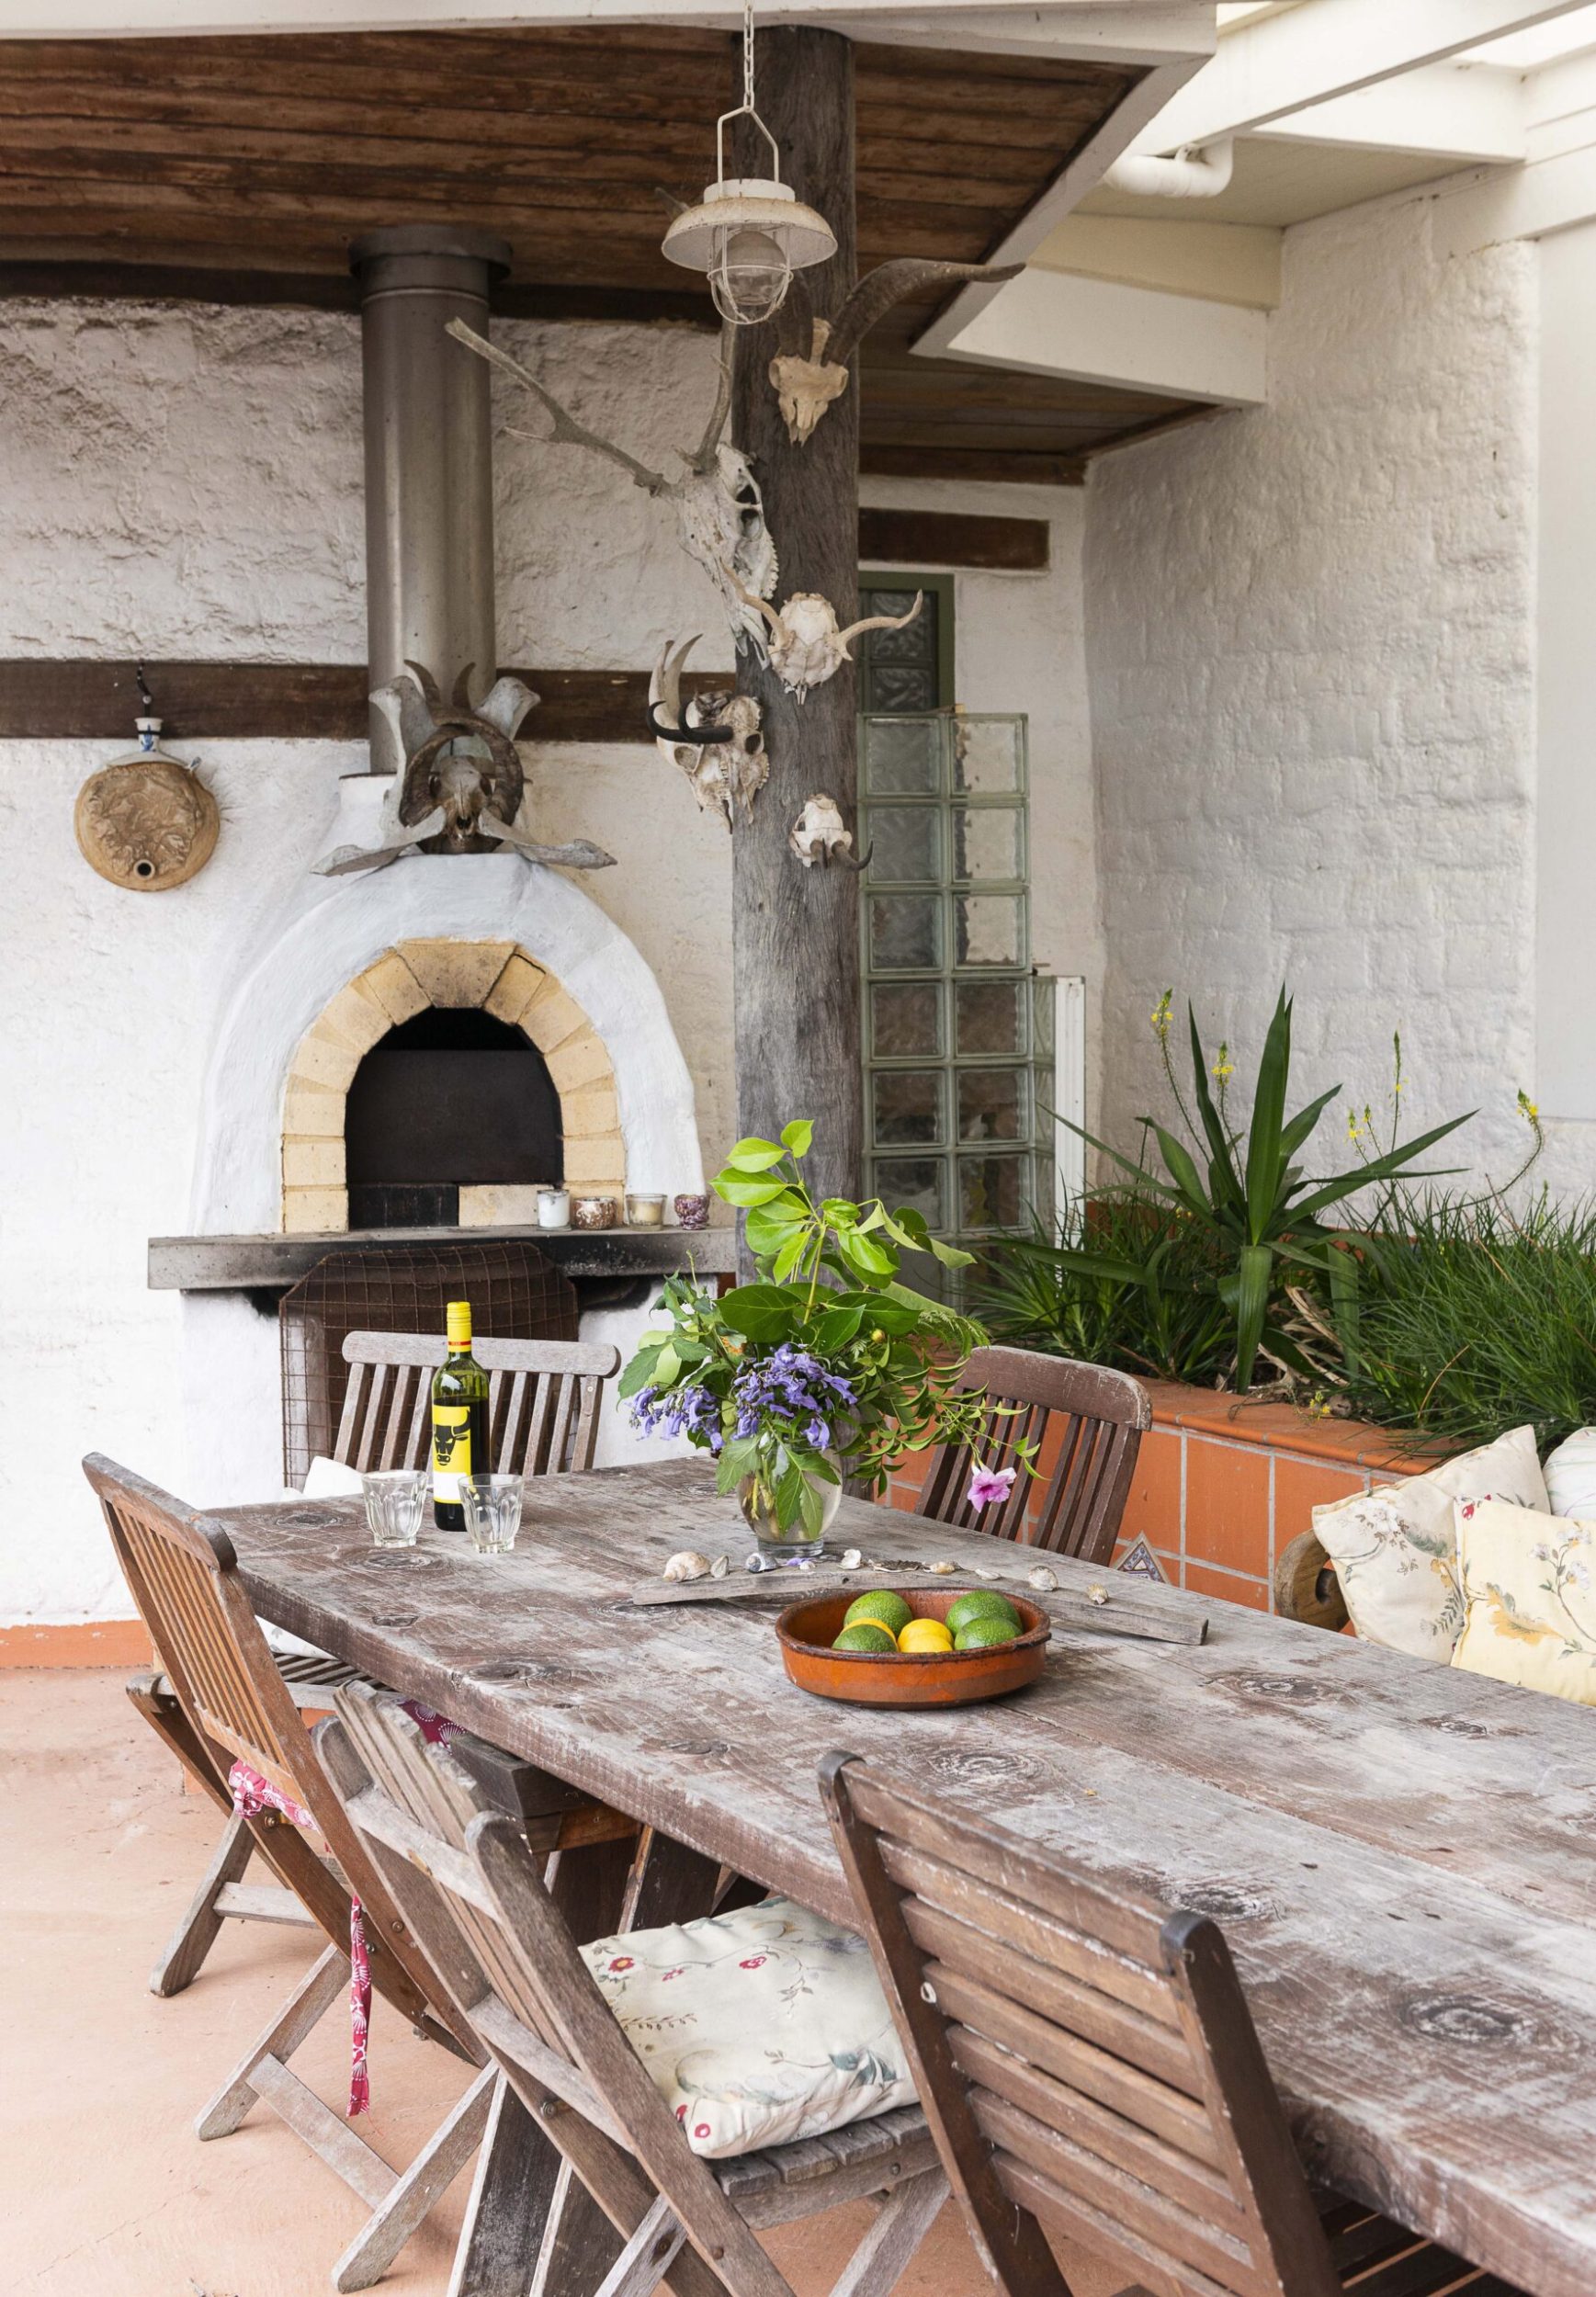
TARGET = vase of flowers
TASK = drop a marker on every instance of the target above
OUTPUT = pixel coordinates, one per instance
(826, 1369)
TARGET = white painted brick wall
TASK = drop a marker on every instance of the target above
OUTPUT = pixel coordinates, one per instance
(1310, 646)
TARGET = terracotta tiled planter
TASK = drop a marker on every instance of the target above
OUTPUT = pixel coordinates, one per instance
(1223, 1486)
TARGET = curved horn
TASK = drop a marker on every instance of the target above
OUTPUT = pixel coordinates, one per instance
(749, 599)
(890, 282)
(665, 686)
(701, 737)
(568, 431)
(880, 622)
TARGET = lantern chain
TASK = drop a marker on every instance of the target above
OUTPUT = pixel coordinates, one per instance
(747, 54)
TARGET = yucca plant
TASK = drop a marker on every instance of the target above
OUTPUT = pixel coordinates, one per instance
(1264, 1214)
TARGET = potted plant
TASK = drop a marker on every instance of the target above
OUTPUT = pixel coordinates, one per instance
(827, 1369)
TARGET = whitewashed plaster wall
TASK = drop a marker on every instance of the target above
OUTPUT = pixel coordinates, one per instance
(1310, 637)
(185, 480)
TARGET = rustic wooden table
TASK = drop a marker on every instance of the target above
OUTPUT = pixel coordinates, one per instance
(1401, 1855)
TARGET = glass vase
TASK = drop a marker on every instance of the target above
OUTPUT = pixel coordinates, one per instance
(795, 1543)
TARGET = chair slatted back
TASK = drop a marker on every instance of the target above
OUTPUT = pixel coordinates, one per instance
(1087, 1424)
(1085, 2056)
(182, 1575)
(471, 1886)
(543, 1400)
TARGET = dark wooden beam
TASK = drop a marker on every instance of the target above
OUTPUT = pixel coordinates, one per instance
(213, 701)
(1010, 546)
(795, 932)
(993, 465)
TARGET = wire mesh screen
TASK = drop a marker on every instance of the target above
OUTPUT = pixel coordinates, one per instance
(514, 1292)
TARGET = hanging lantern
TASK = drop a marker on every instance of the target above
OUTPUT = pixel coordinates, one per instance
(750, 233)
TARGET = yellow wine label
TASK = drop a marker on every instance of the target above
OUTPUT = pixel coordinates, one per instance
(451, 1450)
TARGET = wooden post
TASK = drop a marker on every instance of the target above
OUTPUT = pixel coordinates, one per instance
(796, 930)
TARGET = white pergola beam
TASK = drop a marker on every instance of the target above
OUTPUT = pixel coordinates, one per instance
(1263, 72)
(1096, 331)
(1143, 32)
(1445, 110)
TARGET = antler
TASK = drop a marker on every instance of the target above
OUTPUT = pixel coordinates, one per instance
(765, 607)
(890, 282)
(718, 414)
(568, 431)
(665, 688)
(881, 622)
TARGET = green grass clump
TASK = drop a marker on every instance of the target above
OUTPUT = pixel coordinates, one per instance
(1478, 1319)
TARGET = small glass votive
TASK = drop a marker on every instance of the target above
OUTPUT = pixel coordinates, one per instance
(592, 1212)
(554, 1209)
(395, 1501)
(692, 1212)
(645, 1212)
(493, 1506)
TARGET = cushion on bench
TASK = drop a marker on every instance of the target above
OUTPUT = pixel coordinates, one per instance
(757, 2026)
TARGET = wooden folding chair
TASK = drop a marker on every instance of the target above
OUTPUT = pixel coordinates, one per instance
(228, 1701)
(1085, 1491)
(1088, 2065)
(471, 1889)
(543, 1407)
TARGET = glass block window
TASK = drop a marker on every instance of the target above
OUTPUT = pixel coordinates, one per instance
(958, 1028)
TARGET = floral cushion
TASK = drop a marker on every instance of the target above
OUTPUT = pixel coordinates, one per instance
(1529, 1591)
(758, 2027)
(1394, 1548)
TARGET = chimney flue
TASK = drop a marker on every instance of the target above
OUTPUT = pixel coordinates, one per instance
(429, 481)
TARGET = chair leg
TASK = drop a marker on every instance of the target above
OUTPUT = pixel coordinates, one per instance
(196, 1933)
(310, 2001)
(646, 2260)
(435, 2168)
(901, 2225)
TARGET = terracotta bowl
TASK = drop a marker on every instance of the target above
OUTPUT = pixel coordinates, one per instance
(906, 1679)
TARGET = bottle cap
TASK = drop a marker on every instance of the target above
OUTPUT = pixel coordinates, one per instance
(459, 1324)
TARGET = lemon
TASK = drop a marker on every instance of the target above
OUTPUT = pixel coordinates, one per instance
(924, 1634)
(981, 1602)
(880, 1603)
(985, 1632)
(865, 1635)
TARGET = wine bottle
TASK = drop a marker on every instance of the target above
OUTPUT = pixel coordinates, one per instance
(459, 1421)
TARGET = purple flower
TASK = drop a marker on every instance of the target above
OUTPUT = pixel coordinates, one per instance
(988, 1485)
(793, 1394)
(692, 1412)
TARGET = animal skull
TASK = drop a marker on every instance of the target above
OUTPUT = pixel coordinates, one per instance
(720, 514)
(806, 388)
(803, 641)
(821, 835)
(462, 784)
(718, 740)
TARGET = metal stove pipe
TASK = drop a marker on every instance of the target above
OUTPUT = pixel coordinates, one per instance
(429, 480)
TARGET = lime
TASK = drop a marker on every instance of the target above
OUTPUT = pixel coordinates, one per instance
(984, 1633)
(879, 1603)
(924, 1634)
(981, 1602)
(865, 1635)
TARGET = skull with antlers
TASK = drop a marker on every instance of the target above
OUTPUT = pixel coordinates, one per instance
(718, 740)
(810, 369)
(719, 507)
(804, 644)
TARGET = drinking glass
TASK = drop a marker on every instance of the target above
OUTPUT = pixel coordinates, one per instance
(492, 1505)
(395, 1501)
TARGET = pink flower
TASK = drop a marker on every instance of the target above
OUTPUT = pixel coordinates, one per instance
(754, 1962)
(988, 1485)
(622, 1962)
(701, 2129)
(672, 1974)
(681, 2113)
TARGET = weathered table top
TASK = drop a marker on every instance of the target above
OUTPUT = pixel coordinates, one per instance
(1401, 1855)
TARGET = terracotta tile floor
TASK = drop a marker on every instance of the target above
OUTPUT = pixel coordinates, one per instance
(104, 2189)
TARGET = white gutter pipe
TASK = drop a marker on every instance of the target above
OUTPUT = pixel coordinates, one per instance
(1192, 174)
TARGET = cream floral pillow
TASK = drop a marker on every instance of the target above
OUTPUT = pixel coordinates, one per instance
(758, 2027)
(1529, 1591)
(1394, 1548)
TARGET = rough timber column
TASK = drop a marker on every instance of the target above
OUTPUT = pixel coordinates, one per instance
(796, 930)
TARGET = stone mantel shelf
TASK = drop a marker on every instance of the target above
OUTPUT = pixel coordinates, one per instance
(252, 1263)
